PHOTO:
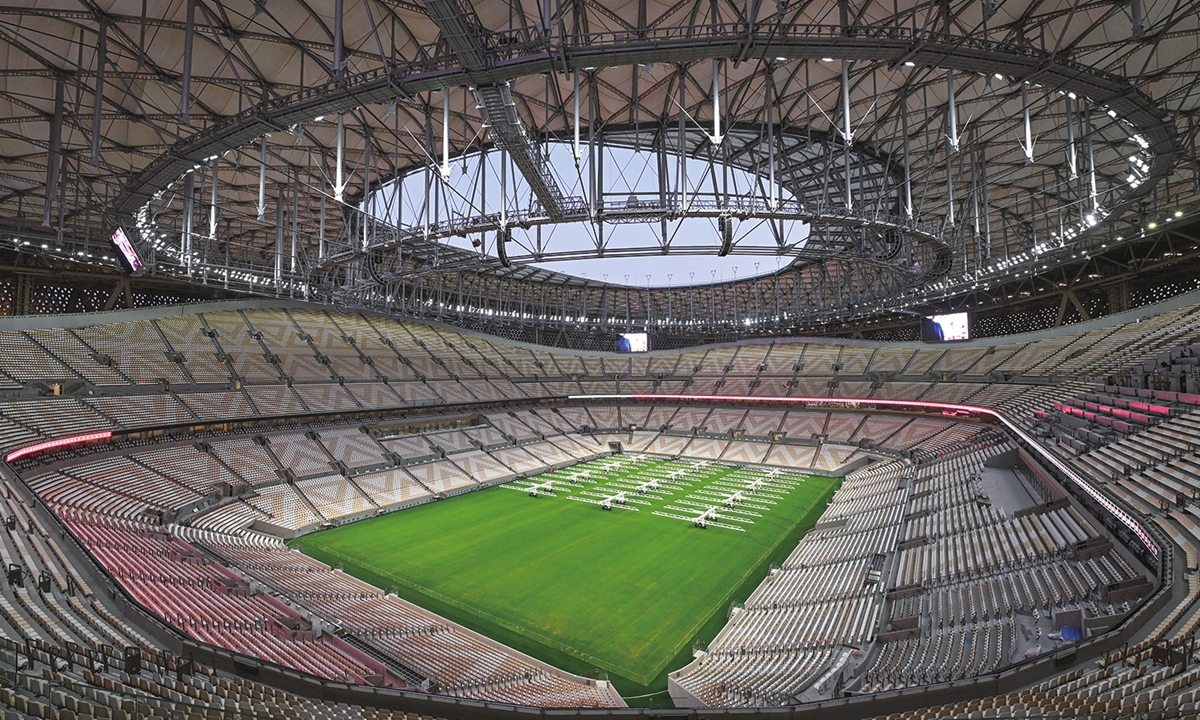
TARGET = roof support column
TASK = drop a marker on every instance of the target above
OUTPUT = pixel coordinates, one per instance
(949, 188)
(293, 253)
(1028, 148)
(975, 193)
(339, 183)
(952, 111)
(592, 194)
(54, 161)
(660, 152)
(98, 107)
(908, 204)
(716, 99)
(428, 180)
(770, 117)
(503, 188)
(446, 134)
(483, 166)
(262, 179)
(682, 150)
(575, 115)
(279, 240)
(185, 239)
(189, 37)
(212, 199)
(847, 130)
(338, 61)
(987, 216)
(321, 231)
(1087, 128)
(1072, 161)
(366, 212)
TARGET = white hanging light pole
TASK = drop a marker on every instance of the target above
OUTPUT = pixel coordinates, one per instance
(446, 134)
(1028, 148)
(716, 136)
(339, 182)
(262, 179)
(847, 130)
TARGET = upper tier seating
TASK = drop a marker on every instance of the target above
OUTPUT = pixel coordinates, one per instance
(294, 361)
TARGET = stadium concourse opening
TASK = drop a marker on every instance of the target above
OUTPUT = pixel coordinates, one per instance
(463, 360)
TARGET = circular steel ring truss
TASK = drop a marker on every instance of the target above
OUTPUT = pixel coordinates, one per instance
(874, 233)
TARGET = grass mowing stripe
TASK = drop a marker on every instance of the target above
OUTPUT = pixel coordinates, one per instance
(568, 583)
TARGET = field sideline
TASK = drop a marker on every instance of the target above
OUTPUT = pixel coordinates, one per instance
(581, 588)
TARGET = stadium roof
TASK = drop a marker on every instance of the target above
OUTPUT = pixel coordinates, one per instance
(927, 149)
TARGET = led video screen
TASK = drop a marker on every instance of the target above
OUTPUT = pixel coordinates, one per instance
(956, 326)
(633, 342)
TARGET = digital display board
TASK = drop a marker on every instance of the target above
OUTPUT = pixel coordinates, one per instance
(633, 342)
(125, 251)
(956, 326)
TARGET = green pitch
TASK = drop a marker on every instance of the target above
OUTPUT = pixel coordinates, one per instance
(567, 582)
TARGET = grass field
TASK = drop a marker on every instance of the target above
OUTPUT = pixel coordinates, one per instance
(626, 592)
